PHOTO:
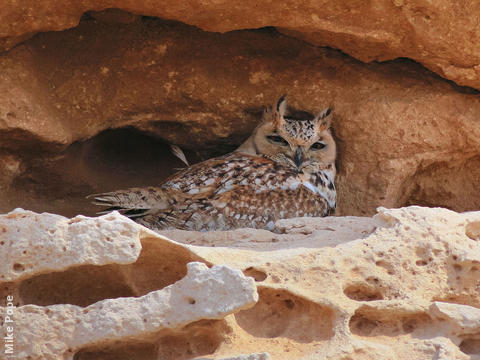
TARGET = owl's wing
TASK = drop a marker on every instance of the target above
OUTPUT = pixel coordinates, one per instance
(199, 180)
(202, 181)
(133, 202)
(215, 175)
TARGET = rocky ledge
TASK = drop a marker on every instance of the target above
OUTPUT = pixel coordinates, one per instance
(404, 284)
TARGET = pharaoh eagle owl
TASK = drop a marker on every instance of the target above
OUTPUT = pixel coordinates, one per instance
(285, 169)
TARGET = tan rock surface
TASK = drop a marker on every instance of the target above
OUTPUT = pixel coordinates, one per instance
(60, 331)
(29, 240)
(442, 35)
(257, 356)
(466, 318)
(404, 284)
(405, 135)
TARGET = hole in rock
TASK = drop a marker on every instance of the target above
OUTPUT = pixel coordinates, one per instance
(73, 221)
(258, 275)
(160, 264)
(196, 339)
(17, 267)
(279, 313)
(473, 230)
(362, 292)
(470, 346)
(421, 262)
(191, 300)
(386, 265)
(82, 285)
(434, 185)
(369, 321)
(112, 160)
(457, 267)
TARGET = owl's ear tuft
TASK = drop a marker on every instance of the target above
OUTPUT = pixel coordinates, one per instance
(324, 117)
(281, 106)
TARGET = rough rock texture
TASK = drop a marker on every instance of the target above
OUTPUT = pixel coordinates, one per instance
(406, 136)
(404, 284)
(29, 240)
(94, 107)
(443, 35)
(58, 330)
(257, 356)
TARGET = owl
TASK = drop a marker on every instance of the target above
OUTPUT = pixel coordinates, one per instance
(285, 169)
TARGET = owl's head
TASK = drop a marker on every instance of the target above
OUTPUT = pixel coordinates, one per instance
(298, 135)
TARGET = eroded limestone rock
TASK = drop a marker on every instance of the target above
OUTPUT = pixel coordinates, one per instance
(59, 331)
(466, 318)
(401, 285)
(32, 244)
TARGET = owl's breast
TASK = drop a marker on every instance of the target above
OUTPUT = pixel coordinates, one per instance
(320, 183)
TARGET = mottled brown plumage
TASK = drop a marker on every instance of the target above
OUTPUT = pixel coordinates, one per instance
(285, 169)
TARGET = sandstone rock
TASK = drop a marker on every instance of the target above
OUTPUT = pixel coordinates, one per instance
(433, 33)
(405, 135)
(398, 285)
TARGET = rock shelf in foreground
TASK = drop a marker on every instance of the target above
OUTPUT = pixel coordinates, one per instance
(404, 284)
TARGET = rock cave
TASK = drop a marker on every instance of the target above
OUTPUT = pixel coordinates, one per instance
(92, 95)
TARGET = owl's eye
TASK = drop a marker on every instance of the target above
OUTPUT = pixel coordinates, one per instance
(318, 146)
(277, 140)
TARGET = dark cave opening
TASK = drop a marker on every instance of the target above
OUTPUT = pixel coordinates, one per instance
(114, 159)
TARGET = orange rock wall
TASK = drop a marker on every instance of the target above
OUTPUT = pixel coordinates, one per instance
(443, 35)
(406, 136)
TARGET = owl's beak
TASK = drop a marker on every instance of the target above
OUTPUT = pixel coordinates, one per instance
(298, 157)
